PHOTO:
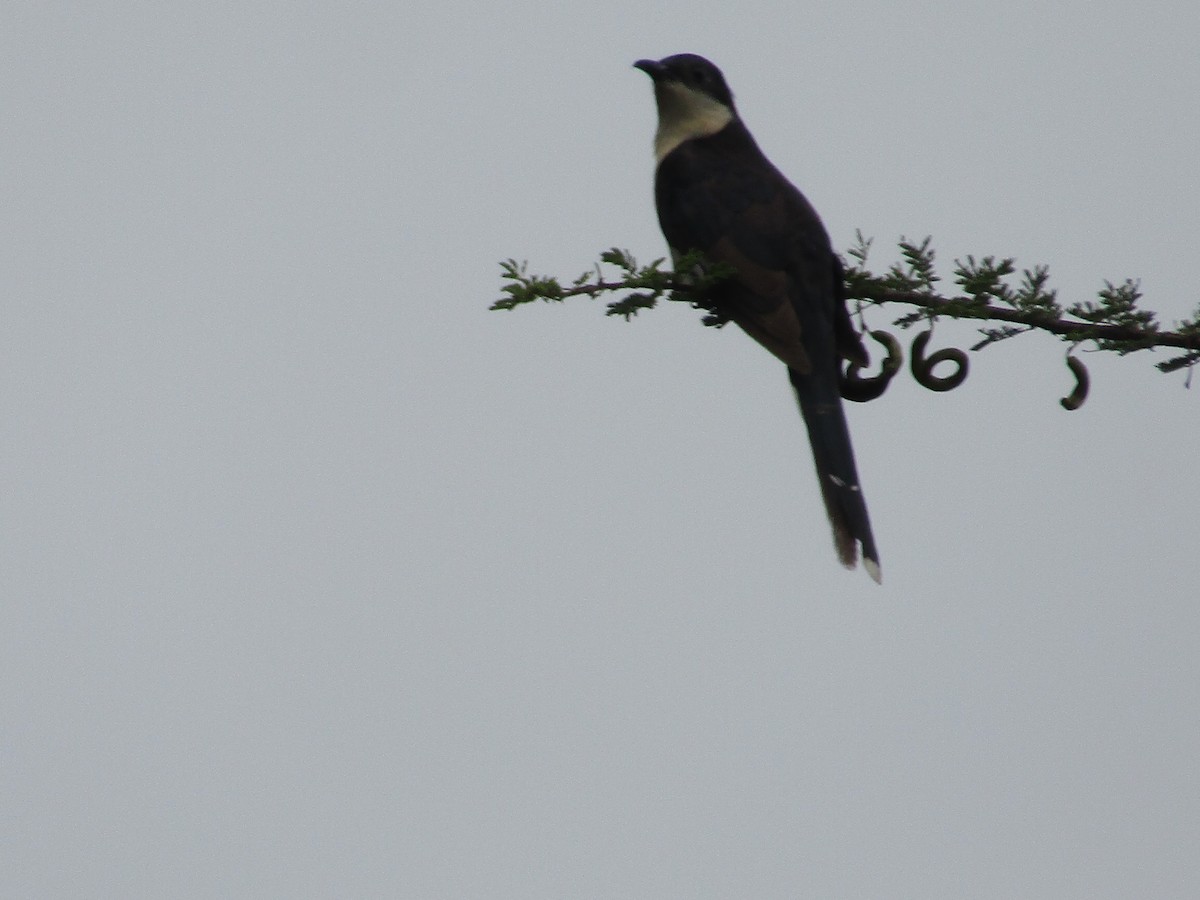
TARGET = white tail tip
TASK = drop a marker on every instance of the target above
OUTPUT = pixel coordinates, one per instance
(873, 570)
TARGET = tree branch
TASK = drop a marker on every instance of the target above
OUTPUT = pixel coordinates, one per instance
(1113, 321)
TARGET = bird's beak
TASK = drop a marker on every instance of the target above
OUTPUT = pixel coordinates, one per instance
(653, 68)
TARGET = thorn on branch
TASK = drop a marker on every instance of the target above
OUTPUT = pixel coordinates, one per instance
(860, 390)
(923, 366)
(1076, 398)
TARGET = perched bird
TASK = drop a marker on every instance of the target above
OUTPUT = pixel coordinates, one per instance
(718, 194)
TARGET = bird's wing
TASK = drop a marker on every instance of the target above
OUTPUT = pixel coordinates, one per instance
(752, 219)
(761, 305)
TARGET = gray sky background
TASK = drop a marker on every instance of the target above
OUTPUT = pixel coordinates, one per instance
(318, 579)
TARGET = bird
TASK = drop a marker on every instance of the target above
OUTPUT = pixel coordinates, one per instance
(716, 193)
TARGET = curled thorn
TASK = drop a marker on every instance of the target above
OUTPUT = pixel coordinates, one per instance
(860, 390)
(923, 366)
(1076, 398)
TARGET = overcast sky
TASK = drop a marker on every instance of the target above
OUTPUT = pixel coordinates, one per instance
(318, 579)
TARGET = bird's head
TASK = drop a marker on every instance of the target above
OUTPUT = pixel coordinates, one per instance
(687, 74)
(693, 99)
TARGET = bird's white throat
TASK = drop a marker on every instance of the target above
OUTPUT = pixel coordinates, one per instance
(684, 114)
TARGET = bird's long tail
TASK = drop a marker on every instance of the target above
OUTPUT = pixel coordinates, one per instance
(821, 405)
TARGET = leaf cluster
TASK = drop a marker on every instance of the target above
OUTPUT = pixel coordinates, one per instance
(691, 282)
(990, 290)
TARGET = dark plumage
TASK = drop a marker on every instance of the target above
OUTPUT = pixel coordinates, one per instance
(717, 193)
